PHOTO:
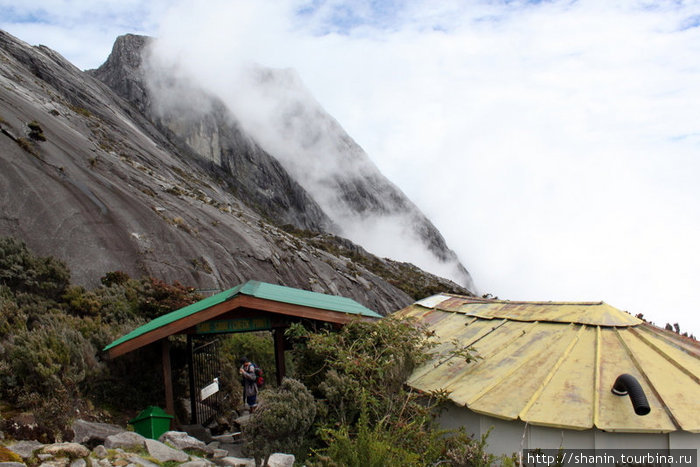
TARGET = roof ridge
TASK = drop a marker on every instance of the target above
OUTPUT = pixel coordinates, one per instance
(524, 302)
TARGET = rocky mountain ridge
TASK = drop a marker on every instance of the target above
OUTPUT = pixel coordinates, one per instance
(88, 177)
(269, 114)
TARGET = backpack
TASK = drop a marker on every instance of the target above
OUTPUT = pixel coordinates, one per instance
(259, 380)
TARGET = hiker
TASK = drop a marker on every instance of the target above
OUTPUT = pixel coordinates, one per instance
(250, 387)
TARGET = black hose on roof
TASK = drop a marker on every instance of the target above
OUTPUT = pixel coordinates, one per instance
(628, 384)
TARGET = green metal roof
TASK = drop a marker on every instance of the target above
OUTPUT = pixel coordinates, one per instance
(263, 290)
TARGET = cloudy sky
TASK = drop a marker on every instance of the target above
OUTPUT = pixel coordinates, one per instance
(555, 144)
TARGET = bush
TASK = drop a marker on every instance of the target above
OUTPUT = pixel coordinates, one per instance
(364, 357)
(21, 271)
(52, 359)
(371, 446)
(35, 131)
(159, 298)
(51, 336)
(281, 423)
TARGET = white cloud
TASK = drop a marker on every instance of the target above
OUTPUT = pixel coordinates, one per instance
(554, 144)
(81, 30)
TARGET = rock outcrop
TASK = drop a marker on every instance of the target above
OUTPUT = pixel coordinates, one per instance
(103, 184)
(293, 129)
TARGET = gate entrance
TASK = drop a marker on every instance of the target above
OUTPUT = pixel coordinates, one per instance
(205, 370)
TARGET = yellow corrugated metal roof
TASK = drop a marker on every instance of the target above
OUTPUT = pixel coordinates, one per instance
(554, 364)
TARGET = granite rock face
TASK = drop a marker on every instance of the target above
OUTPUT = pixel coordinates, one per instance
(108, 183)
(85, 432)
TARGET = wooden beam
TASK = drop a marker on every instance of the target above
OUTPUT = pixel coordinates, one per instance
(167, 377)
(190, 368)
(299, 311)
(278, 335)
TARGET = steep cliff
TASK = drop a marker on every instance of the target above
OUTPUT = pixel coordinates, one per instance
(266, 116)
(94, 180)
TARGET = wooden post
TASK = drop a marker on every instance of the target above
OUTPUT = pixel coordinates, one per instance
(190, 365)
(167, 376)
(278, 334)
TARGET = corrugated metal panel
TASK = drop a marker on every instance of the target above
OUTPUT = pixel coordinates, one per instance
(554, 364)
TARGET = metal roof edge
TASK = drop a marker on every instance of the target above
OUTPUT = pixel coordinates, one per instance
(470, 299)
(175, 315)
(256, 289)
(321, 301)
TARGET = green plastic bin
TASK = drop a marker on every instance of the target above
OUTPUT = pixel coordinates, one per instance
(151, 422)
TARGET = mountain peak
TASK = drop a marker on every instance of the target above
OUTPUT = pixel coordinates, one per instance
(120, 181)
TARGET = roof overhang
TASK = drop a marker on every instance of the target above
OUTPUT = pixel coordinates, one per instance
(278, 300)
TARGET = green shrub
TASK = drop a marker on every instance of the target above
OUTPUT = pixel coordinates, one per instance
(115, 278)
(50, 359)
(372, 357)
(35, 131)
(80, 302)
(285, 415)
(371, 446)
(22, 271)
(12, 318)
(159, 298)
(51, 336)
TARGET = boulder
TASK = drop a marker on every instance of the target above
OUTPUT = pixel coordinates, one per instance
(25, 449)
(140, 461)
(93, 432)
(100, 451)
(60, 462)
(125, 439)
(78, 463)
(197, 463)
(164, 453)
(72, 450)
(236, 462)
(280, 460)
(198, 431)
(12, 464)
(182, 440)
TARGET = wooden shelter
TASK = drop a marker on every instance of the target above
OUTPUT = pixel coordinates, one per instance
(252, 306)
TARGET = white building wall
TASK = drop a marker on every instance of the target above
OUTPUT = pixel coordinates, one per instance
(510, 436)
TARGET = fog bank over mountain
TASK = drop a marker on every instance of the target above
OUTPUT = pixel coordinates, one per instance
(276, 110)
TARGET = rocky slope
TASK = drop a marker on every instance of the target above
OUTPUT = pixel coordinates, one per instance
(239, 122)
(106, 185)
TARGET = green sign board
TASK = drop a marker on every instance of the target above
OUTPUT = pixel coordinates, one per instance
(234, 325)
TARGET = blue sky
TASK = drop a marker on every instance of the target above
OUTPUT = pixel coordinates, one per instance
(555, 144)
